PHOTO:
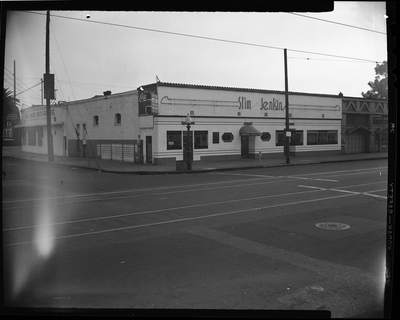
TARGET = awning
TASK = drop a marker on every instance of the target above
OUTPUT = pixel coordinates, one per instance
(249, 130)
(359, 128)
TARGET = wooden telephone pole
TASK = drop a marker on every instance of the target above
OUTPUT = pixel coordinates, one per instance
(287, 130)
(48, 91)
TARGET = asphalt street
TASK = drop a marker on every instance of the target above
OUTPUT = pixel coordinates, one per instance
(308, 237)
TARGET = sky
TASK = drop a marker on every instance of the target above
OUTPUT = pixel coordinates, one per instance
(111, 50)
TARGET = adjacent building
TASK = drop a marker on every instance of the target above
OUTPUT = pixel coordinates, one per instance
(364, 125)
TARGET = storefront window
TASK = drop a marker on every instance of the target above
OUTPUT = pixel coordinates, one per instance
(280, 138)
(40, 136)
(315, 137)
(227, 137)
(174, 140)
(31, 137)
(23, 137)
(295, 140)
(201, 139)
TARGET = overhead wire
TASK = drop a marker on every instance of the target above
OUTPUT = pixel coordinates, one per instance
(334, 22)
(203, 37)
(80, 115)
(22, 86)
(30, 94)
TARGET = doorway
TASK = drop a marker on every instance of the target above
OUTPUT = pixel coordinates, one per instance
(149, 149)
(245, 146)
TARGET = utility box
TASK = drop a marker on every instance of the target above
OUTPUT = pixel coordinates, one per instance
(49, 86)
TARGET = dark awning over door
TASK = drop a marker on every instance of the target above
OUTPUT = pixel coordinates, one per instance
(249, 130)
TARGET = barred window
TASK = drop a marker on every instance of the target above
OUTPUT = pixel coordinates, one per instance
(316, 137)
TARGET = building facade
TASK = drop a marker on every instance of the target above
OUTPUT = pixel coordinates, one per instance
(364, 125)
(147, 125)
(33, 129)
(103, 127)
(234, 123)
(11, 135)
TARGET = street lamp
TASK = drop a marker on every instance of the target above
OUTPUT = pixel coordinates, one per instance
(188, 121)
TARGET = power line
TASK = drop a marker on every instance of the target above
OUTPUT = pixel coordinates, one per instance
(202, 37)
(21, 84)
(29, 94)
(29, 88)
(338, 23)
(66, 72)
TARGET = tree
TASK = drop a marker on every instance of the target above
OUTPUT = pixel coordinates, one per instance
(379, 87)
(9, 107)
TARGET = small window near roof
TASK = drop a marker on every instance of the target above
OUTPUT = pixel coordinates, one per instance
(117, 119)
(96, 121)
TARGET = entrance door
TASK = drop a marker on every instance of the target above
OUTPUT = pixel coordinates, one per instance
(357, 142)
(149, 150)
(245, 146)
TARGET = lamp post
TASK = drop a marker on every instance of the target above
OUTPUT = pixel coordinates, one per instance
(188, 122)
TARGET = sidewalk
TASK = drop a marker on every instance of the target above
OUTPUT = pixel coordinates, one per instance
(114, 166)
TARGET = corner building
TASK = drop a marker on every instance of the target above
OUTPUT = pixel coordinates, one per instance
(234, 123)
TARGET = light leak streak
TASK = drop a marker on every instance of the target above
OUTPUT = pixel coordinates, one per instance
(27, 260)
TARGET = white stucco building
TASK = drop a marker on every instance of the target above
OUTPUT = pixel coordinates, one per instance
(146, 125)
(234, 122)
(105, 127)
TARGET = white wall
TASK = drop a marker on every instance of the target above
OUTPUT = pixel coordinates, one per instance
(83, 111)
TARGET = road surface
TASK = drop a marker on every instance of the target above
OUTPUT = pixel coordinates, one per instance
(309, 237)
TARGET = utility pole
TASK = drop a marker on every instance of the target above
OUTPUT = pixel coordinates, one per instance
(15, 86)
(287, 130)
(48, 87)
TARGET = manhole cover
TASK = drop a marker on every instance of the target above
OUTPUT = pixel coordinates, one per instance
(332, 225)
(315, 288)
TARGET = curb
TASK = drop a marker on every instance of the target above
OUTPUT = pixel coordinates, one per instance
(137, 172)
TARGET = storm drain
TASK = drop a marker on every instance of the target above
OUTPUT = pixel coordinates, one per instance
(332, 225)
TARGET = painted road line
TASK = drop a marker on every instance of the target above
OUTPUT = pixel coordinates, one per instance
(152, 224)
(157, 210)
(312, 187)
(248, 175)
